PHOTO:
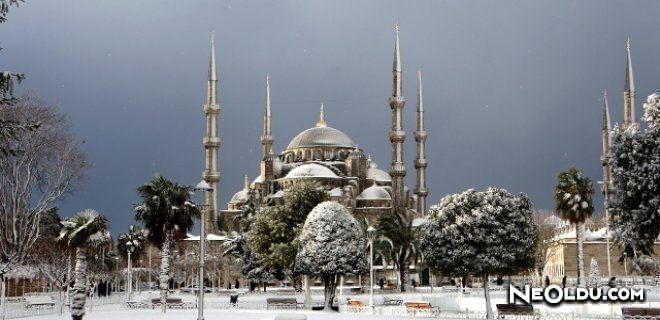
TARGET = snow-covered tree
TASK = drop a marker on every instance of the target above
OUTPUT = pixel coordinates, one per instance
(167, 213)
(635, 205)
(480, 233)
(331, 245)
(83, 232)
(275, 229)
(574, 203)
(594, 274)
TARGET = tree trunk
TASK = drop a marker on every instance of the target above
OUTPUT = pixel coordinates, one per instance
(130, 279)
(297, 282)
(308, 292)
(403, 273)
(79, 294)
(489, 311)
(165, 268)
(579, 234)
(330, 283)
(3, 301)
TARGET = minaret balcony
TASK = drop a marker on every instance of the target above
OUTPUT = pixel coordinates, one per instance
(420, 136)
(398, 170)
(398, 136)
(211, 141)
(213, 108)
(211, 177)
(421, 163)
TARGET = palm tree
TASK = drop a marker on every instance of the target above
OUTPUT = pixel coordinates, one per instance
(167, 213)
(397, 229)
(131, 245)
(84, 232)
(574, 203)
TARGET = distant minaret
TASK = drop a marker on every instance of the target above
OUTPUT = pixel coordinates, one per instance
(397, 135)
(267, 138)
(211, 143)
(607, 173)
(628, 92)
(421, 162)
(605, 154)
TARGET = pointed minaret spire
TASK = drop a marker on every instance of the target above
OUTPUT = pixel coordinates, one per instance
(606, 188)
(397, 135)
(267, 138)
(211, 142)
(246, 183)
(421, 162)
(628, 91)
(321, 122)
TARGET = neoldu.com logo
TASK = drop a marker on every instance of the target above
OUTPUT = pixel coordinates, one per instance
(555, 294)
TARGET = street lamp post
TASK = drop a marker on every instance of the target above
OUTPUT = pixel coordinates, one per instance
(371, 235)
(625, 265)
(205, 187)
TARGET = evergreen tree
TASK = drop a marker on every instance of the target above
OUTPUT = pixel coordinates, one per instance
(635, 205)
(331, 245)
(480, 233)
(574, 203)
(274, 231)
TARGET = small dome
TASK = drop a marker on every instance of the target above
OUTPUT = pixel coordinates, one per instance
(374, 193)
(311, 170)
(374, 173)
(239, 197)
(336, 192)
(356, 154)
(256, 180)
(322, 136)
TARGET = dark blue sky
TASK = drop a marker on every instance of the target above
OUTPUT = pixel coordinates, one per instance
(512, 88)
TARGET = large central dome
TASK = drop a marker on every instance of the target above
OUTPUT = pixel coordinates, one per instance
(321, 136)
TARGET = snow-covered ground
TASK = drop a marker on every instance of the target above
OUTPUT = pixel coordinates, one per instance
(253, 306)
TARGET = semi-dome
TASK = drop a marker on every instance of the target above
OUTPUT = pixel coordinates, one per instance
(321, 136)
(311, 170)
(374, 193)
(374, 173)
(239, 197)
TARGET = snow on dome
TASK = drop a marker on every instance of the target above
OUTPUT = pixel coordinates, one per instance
(311, 170)
(336, 192)
(374, 173)
(374, 193)
(239, 197)
(278, 194)
(321, 137)
(256, 180)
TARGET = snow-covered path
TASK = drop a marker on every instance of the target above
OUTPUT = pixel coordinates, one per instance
(144, 314)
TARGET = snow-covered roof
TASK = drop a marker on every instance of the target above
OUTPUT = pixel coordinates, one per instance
(600, 234)
(311, 170)
(323, 136)
(374, 193)
(210, 237)
(278, 194)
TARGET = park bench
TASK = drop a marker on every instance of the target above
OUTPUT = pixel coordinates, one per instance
(514, 309)
(283, 303)
(640, 313)
(137, 304)
(39, 302)
(392, 302)
(420, 308)
(174, 303)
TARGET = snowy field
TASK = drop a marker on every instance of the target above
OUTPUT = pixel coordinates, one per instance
(253, 306)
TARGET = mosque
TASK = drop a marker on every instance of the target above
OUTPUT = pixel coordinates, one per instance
(325, 155)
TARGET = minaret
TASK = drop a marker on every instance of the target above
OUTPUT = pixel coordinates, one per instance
(421, 162)
(397, 135)
(607, 173)
(628, 92)
(211, 144)
(267, 138)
